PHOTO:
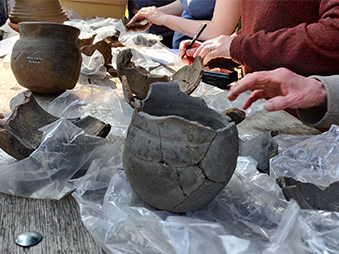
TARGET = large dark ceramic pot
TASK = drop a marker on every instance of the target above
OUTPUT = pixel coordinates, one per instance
(46, 58)
(179, 154)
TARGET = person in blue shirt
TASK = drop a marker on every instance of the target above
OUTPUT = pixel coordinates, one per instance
(3, 12)
(185, 17)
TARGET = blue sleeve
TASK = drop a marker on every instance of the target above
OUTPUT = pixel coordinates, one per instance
(199, 9)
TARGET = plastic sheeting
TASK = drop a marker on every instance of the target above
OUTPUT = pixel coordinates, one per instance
(314, 160)
(249, 216)
(107, 27)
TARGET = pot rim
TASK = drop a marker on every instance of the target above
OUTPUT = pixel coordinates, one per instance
(227, 124)
(44, 23)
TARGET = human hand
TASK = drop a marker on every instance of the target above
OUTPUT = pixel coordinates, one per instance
(188, 59)
(2, 119)
(215, 48)
(285, 88)
(152, 14)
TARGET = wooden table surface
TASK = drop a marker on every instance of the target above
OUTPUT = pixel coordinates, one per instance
(59, 221)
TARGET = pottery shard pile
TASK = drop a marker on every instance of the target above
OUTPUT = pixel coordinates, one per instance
(104, 46)
(136, 80)
(20, 135)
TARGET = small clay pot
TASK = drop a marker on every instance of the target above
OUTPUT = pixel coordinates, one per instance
(46, 58)
(179, 154)
(37, 10)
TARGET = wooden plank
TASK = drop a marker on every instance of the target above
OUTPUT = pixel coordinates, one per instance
(58, 221)
(280, 121)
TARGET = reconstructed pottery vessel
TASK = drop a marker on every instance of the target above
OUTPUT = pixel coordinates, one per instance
(37, 10)
(46, 58)
(179, 154)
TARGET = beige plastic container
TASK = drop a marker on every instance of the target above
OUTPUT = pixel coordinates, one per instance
(97, 8)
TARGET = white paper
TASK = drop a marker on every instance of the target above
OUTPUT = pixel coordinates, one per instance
(6, 45)
(165, 56)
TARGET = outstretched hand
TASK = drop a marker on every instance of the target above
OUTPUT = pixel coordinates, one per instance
(285, 88)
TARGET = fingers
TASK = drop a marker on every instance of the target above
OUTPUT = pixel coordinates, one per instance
(189, 52)
(256, 95)
(182, 47)
(142, 14)
(252, 81)
(2, 119)
(273, 104)
(277, 103)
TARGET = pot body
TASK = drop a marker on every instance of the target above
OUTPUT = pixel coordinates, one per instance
(46, 58)
(37, 10)
(179, 154)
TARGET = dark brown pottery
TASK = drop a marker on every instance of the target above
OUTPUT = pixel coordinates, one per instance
(46, 58)
(179, 154)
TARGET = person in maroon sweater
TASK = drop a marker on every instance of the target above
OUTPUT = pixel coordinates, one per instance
(302, 36)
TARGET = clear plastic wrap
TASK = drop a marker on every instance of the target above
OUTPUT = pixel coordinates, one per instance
(249, 216)
(57, 166)
(97, 101)
(314, 160)
(93, 65)
(100, 27)
(216, 99)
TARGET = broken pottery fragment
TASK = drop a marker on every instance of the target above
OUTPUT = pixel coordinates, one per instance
(309, 195)
(261, 148)
(189, 76)
(86, 41)
(104, 47)
(140, 24)
(139, 80)
(20, 135)
(143, 41)
(235, 114)
(179, 154)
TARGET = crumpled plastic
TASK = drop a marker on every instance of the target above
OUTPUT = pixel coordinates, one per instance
(57, 166)
(106, 27)
(250, 215)
(314, 160)
(93, 65)
(100, 102)
(102, 27)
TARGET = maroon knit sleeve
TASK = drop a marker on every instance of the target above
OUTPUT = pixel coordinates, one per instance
(305, 49)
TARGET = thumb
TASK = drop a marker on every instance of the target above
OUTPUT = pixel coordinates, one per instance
(277, 103)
